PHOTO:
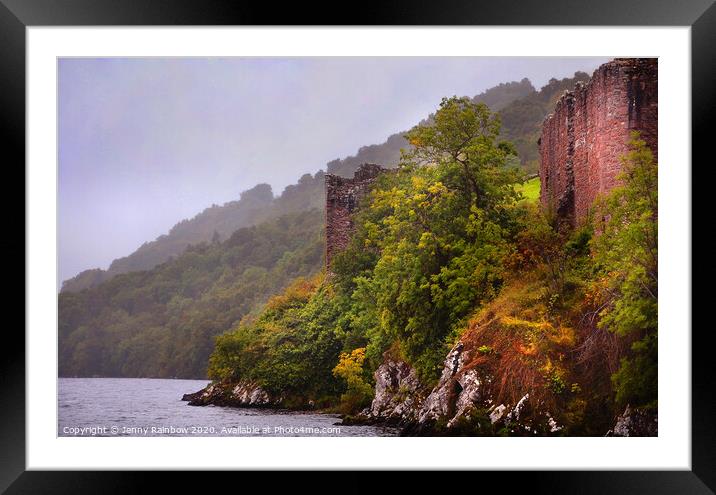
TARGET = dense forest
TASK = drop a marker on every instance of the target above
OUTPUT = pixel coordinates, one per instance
(162, 322)
(521, 108)
(448, 249)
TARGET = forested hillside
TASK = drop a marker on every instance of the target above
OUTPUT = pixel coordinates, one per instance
(522, 118)
(162, 322)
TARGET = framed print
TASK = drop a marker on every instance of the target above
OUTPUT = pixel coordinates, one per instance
(429, 239)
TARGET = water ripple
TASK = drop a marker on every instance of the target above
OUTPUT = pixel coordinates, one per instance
(152, 407)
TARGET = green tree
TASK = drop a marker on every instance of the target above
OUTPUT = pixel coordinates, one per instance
(462, 140)
(626, 253)
(350, 369)
(431, 239)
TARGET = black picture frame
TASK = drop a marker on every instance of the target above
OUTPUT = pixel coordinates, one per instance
(17, 15)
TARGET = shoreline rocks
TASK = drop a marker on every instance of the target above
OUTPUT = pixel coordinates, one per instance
(635, 423)
(461, 403)
(240, 394)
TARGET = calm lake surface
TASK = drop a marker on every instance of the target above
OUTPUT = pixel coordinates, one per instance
(153, 407)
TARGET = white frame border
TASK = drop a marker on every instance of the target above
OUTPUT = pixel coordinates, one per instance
(670, 450)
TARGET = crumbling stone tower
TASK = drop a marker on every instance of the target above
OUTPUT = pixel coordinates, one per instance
(583, 139)
(342, 198)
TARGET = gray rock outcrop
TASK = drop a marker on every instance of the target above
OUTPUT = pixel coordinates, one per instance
(461, 402)
(240, 394)
(635, 423)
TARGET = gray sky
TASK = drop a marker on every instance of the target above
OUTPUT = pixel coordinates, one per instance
(146, 142)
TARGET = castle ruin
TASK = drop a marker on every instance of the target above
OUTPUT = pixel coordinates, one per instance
(583, 139)
(342, 198)
(581, 146)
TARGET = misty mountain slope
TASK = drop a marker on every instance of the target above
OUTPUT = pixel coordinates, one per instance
(162, 322)
(387, 154)
(521, 108)
(218, 221)
(522, 118)
(254, 206)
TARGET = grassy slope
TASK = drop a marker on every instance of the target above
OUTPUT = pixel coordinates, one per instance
(530, 189)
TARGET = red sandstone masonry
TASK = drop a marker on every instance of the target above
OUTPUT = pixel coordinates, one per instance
(583, 140)
(342, 198)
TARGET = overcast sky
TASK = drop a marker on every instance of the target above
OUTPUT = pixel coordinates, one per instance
(146, 142)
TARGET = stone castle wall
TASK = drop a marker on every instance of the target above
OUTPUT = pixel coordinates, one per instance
(342, 198)
(583, 139)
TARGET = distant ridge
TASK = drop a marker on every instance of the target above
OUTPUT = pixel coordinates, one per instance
(387, 153)
(215, 223)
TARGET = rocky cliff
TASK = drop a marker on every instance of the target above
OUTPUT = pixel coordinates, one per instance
(461, 403)
(464, 402)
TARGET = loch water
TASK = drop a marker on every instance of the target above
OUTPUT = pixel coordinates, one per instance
(153, 407)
